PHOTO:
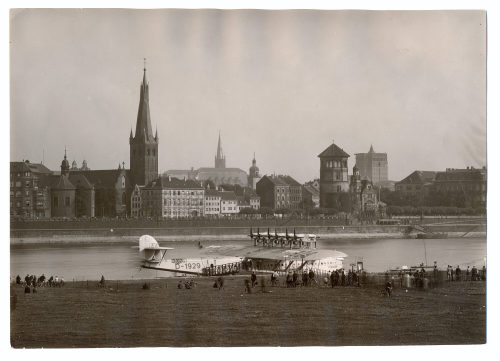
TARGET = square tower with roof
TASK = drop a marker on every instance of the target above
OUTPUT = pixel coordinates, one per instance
(333, 179)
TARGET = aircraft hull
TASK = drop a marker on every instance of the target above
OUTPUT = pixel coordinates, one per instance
(198, 266)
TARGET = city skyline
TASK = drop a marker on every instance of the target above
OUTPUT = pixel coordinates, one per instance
(253, 75)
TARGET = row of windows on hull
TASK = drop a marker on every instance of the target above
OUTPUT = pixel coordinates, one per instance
(139, 152)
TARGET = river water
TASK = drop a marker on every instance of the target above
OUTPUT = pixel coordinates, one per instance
(121, 261)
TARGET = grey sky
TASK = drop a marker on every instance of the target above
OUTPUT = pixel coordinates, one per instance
(280, 83)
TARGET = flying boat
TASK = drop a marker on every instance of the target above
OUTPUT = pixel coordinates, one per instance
(270, 252)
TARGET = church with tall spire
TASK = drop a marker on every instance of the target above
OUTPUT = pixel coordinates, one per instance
(219, 174)
(220, 158)
(143, 145)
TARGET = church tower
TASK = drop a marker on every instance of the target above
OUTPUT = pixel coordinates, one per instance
(253, 174)
(220, 158)
(65, 165)
(143, 146)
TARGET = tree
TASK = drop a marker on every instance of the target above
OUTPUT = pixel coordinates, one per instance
(208, 183)
(266, 211)
(248, 211)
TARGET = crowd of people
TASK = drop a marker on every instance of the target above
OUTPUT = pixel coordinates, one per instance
(468, 275)
(309, 279)
(32, 282)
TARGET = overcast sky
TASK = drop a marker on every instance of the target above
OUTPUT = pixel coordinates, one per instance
(282, 84)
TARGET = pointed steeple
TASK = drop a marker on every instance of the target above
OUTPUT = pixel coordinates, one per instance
(143, 145)
(220, 159)
(371, 149)
(143, 129)
(219, 148)
(144, 79)
(131, 135)
(65, 164)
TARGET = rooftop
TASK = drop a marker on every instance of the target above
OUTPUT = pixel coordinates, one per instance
(333, 151)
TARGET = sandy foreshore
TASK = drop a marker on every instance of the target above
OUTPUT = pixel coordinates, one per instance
(76, 239)
(122, 314)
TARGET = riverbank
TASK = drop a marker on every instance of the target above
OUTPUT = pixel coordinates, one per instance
(113, 239)
(124, 315)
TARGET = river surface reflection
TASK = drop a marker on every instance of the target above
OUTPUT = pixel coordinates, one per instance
(122, 260)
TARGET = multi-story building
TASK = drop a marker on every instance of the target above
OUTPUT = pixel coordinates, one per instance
(212, 202)
(416, 186)
(274, 192)
(228, 203)
(295, 189)
(171, 198)
(334, 183)
(136, 202)
(252, 198)
(364, 199)
(28, 198)
(467, 186)
(310, 196)
(373, 166)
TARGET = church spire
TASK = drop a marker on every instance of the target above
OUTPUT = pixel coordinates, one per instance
(220, 159)
(143, 146)
(143, 129)
(371, 149)
(219, 148)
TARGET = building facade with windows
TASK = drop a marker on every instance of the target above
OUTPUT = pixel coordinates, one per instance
(29, 198)
(467, 186)
(274, 192)
(310, 196)
(417, 185)
(169, 197)
(212, 203)
(228, 203)
(364, 198)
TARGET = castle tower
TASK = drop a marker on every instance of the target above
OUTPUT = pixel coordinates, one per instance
(373, 166)
(143, 146)
(220, 158)
(333, 181)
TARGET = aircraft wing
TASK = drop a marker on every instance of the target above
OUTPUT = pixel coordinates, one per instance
(277, 253)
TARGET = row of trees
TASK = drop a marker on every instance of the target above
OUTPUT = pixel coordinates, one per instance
(433, 211)
(270, 211)
(432, 198)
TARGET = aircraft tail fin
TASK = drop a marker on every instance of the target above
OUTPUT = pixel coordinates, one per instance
(147, 241)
